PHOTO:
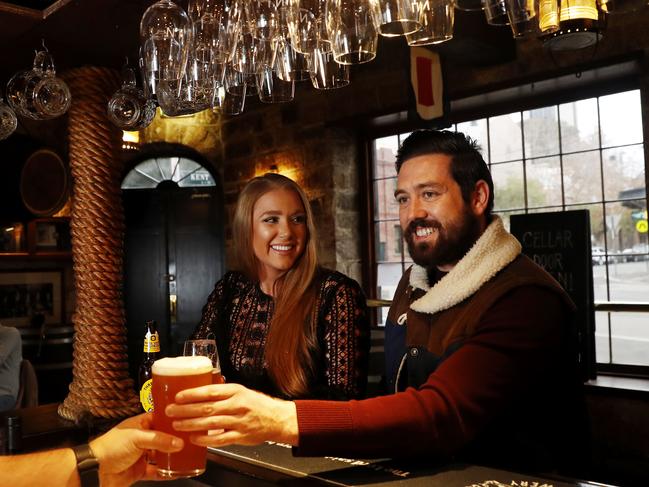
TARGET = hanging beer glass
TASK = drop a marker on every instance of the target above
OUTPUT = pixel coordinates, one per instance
(290, 64)
(496, 12)
(129, 108)
(262, 17)
(303, 19)
(228, 18)
(38, 94)
(166, 38)
(437, 18)
(230, 104)
(51, 96)
(8, 120)
(272, 89)
(522, 17)
(398, 17)
(352, 28)
(203, 68)
(251, 54)
(326, 73)
(235, 81)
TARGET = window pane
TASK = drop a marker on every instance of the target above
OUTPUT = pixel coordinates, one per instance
(598, 249)
(151, 169)
(582, 177)
(602, 349)
(385, 153)
(624, 172)
(543, 181)
(505, 137)
(386, 247)
(387, 278)
(167, 166)
(198, 176)
(541, 130)
(621, 225)
(188, 173)
(621, 118)
(385, 206)
(403, 137)
(628, 268)
(135, 180)
(630, 336)
(508, 185)
(579, 125)
(477, 130)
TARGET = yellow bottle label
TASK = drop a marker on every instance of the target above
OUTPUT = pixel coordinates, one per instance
(146, 396)
(151, 343)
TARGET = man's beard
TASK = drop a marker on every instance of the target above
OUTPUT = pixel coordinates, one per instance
(452, 243)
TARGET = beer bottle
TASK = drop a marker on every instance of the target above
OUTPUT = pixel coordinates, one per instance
(151, 354)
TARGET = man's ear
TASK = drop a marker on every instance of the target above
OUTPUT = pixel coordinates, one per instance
(480, 197)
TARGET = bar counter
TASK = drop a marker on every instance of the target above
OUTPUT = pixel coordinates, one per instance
(274, 464)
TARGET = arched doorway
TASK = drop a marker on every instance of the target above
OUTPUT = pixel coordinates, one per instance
(173, 208)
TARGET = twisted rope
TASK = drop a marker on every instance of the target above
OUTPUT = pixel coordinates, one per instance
(101, 385)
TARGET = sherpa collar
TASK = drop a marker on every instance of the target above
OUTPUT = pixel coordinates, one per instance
(494, 250)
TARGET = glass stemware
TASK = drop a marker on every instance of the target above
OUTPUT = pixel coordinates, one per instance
(206, 348)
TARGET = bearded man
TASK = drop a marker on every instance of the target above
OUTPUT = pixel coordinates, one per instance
(480, 350)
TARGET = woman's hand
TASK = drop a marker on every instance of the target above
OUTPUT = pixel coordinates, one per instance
(233, 414)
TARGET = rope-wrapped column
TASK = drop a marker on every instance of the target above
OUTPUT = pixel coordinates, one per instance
(101, 385)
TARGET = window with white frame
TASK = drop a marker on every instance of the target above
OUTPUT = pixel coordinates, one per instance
(586, 154)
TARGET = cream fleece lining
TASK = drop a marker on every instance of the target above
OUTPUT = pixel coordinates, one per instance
(494, 250)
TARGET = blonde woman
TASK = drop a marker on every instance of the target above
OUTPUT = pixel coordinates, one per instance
(283, 324)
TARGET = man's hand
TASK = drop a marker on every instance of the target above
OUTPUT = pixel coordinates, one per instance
(122, 451)
(233, 414)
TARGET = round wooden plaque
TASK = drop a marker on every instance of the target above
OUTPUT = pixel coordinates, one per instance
(44, 183)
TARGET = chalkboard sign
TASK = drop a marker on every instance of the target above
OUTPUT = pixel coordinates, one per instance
(560, 243)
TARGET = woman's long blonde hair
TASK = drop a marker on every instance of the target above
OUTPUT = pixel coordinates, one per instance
(291, 334)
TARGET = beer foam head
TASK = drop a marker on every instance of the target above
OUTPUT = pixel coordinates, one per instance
(182, 365)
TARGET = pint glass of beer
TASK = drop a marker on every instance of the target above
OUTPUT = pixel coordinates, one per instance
(172, 375)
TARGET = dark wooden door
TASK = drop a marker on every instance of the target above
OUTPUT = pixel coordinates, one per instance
(173, 252)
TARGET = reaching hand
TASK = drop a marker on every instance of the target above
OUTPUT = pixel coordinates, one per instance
(122, 451)
(233, 414)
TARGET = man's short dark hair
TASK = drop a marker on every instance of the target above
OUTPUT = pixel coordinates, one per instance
(467, 166)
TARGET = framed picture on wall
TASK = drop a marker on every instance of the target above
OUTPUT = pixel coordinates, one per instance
(49, 235)
(29, 297)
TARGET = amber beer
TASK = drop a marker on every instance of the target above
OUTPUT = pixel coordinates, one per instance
(217, 378)
(172, 375)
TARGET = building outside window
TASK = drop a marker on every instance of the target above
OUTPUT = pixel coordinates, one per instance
(586, 154)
